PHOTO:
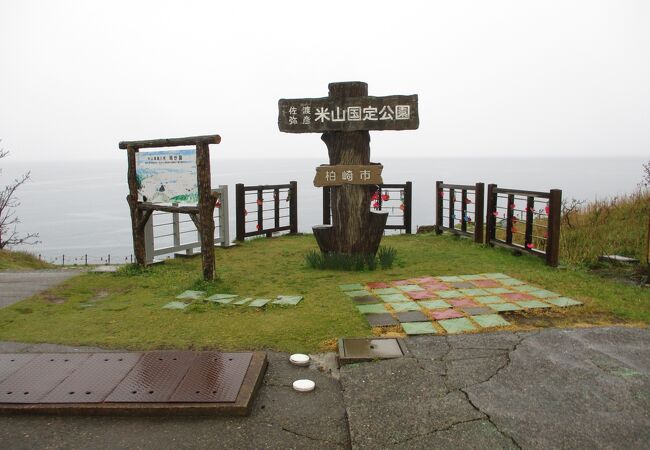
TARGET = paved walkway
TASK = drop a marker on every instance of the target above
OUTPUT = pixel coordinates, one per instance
(578, 388)
(15, 286)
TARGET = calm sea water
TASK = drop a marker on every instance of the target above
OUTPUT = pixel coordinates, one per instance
(80, 208)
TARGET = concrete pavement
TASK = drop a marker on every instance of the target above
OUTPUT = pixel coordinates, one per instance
(17, 285)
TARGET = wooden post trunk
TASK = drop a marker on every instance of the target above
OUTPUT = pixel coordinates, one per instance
(355, 229)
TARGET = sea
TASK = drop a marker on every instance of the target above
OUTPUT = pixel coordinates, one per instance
(80, 211)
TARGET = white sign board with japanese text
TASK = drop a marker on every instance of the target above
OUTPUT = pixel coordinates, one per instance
(167, 176)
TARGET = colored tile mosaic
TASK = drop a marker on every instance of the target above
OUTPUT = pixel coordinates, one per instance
(543, 294)
(423, 280)
(462, 285)
(351, 287)
(533, 304)
(394, 298)
(524, 288)
(380, 320)
(401, 283)
(445, 314)
(461, 302)
(472, 277)
(194, 295)
(477, 310)
(412, 316)
(378, 285)
(563, 301)
(450, 294)
(372, 309)
(489, 299)
(495, 276)
(366, 300)
(499, 290)
(510, 282)
(474, 292)
(413, 328)
(421, 295)
(436, 287)
(434, 304)
(517, 296)
(491, 320)
(405, 306)
(450, 279)
(454, 326)
(503, 307)
(357, 293)
(486, 283)
(386, 291)
(410, 288)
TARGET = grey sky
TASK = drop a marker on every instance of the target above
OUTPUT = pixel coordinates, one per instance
(556, 78)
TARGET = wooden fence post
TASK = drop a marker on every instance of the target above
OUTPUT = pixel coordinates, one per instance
(479, 212)
(240, 207)
(293, 207)
(491, 220)
(553, 241)
(408, 202)
(206, 210)
(439, 206)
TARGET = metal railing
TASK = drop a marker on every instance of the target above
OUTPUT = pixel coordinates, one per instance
(281, 215)
(464, 215)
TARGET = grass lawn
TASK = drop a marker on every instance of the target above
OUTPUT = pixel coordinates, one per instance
(123, 310)
(21, 261)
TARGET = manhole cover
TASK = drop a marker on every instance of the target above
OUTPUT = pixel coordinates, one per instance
(359, 349)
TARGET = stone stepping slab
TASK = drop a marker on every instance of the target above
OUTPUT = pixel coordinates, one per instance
(290, 300)
(445, 314)
(434, 304)
(421, 295)
(193, 295)
(562, 301)
(532, 304)
(259, 302)
(503, 307)
(477, 310)
(175, 305)
(393, 298)
(405, 306)
(387, 291)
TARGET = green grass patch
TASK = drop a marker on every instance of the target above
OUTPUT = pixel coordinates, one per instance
(10, 260)
(124, 310)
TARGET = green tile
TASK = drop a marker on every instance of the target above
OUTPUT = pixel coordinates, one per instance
(497, 290)
(351, 287)
(504, 307)
(510, 282)
(259, 302)
(495, 276)
(474, 292)
(533, 304)
(288, 300)
(453, 326)
(525, 288)
(410, 288)
(434, 304)
(490, 320)
(450, 294)
(411, 328)
(221, 298)
(543, 294)
(489, 299)
(357, 293)
(175, 305)
(563, 301)
(472, 277)
(405, 306)
(372, 309)
(394, 298)
(450, 279)
(194, 295)
(386, 291)
(243, 301)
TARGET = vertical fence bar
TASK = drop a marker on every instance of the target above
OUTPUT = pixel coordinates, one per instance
(510, 223)
(553, 241)
(176, 227)
(293, 207)
(276, 207)
(260, 211)
(452, 208)
(491, 210)
(463, 210)
(408, 210)
(440, 193)
(240, 208)
(224, 219)
(479, 212)
(327, 204)
(148, 241)
(530, 218)
(62, 260)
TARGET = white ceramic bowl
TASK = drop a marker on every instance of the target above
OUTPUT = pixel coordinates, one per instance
(299, 359)
(304, 385)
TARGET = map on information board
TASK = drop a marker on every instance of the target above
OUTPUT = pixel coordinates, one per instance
(167, 176)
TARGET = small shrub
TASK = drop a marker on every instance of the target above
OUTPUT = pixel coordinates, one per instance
(386, 257)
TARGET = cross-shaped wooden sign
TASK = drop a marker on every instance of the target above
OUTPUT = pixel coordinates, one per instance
(344, 118)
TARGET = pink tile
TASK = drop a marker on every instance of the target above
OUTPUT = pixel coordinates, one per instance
(423, 280)
(486, 283)
(378, 285)
(436, 287)
(420, 295)
(517, 296)
(401, 283)
(462, 302)
(445, 314)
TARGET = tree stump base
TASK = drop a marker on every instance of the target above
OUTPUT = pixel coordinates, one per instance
(327, 243)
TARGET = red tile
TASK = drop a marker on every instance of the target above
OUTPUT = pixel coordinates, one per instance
(401, 282)
(420, 295)
(378, 285)
(423, 280)
(486, 283)
(517, 296)
(462, 302)
(445, 314)
(436, 287)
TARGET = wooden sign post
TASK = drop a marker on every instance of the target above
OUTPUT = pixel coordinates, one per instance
(344, 118)
(201, 214)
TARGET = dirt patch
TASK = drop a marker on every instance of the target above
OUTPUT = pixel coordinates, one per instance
(53, 299)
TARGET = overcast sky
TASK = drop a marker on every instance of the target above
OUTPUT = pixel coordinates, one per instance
(494, 78)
